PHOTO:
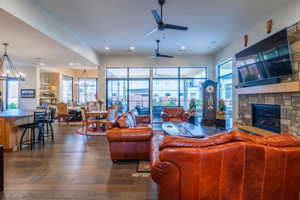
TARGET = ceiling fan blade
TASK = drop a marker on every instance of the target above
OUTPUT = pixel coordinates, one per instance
(151, 32)
(175, 27)
(164, 56)
(156, 16)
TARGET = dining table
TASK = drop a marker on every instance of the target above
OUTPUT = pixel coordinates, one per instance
(100, 113)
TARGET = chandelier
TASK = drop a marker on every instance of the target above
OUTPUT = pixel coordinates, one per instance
(8, 69)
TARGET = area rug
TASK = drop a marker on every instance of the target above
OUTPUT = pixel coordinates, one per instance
(142, 169)
(91, 132)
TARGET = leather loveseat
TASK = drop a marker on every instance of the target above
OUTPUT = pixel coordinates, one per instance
(175, 114)
(235, 166)
(129, 137)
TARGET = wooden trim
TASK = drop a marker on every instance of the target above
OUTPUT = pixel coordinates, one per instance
(256, 131)
(272, 88)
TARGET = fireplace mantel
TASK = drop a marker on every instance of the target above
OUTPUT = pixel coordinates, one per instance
(293, 86)
(255, 130)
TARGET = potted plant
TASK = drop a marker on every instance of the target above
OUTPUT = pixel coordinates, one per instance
(192, 111)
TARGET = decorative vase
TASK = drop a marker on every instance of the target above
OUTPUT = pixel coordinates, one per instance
(269, 26)
(245, 40)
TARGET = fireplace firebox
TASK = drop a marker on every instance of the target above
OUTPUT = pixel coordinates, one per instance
(266, 117)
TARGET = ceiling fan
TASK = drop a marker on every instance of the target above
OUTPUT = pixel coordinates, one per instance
(161, 26)
(157, 54)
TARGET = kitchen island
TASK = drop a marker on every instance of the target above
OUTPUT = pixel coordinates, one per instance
(9, 131)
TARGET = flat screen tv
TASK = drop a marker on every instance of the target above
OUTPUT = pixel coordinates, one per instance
(267, 59)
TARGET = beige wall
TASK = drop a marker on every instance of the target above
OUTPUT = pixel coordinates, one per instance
(31, 80)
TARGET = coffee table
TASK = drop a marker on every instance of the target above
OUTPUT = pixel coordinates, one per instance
(182, 129)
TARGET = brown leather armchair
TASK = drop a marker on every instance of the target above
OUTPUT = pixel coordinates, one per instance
(129, 137)
(175, 114)
(233, 166)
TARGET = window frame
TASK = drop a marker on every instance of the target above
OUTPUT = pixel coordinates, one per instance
(72, 79)
(151, 78)
(78, 88)
(220, 65)
(6, 92)
(224, 76)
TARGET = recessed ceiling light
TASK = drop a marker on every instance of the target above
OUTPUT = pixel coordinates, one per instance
(71, 64)
(42, 64)
(132, 48)
(182, 48)
(107, 48)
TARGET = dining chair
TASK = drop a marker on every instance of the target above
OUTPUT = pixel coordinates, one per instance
(92, 106)
(87, 121)
(63, 112)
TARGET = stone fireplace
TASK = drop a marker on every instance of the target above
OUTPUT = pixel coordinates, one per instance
(289, 109)
(266, 117)
(289, 102)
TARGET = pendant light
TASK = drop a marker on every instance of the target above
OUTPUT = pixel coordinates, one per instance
(8, 69)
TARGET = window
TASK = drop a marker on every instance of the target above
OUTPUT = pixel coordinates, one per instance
(170, 86)
(67, 89)
(117, 93)
(87, 90)
(225, 84)
(139, 72)
(139, 96)
(117, 72)
(12, 94)
(165, 72)
(193, 72)
(191, 89)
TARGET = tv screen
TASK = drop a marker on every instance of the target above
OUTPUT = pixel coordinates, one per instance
(268, 59)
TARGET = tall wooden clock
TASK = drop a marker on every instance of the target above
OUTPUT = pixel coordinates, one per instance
(209, 91)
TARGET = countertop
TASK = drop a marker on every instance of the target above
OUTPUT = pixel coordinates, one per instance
(16, 113)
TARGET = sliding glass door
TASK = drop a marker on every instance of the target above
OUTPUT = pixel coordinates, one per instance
(117, 94)
(165, 94)
(152, 89)
(225, 84)
(139, 96)
(190, 89)
(226, 87)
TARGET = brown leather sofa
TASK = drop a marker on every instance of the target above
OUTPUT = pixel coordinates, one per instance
(235, 166)
(175, 114)
(129, 137)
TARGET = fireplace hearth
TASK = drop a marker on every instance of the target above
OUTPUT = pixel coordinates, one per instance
(266, 117)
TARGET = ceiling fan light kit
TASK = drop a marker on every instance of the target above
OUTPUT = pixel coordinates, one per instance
(157, 52)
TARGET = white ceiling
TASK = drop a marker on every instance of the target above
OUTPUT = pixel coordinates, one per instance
(122, 23)
(26, 44)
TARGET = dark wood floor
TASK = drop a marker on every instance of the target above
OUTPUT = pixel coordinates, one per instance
(75, 167)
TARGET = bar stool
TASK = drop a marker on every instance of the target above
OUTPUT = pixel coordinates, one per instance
(40, 118)
(50, 121)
